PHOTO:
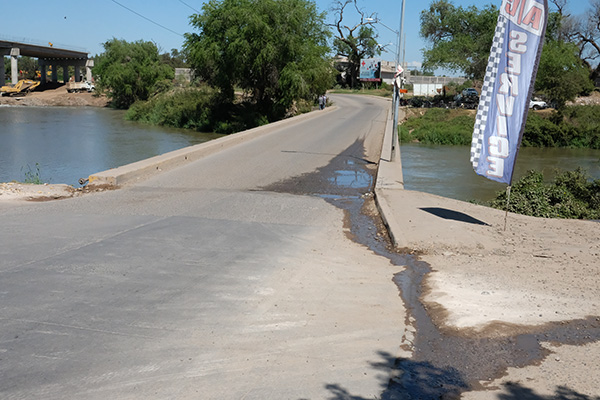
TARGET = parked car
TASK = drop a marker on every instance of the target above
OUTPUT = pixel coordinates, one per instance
(468, 99)
(538, 104)
(470, 92)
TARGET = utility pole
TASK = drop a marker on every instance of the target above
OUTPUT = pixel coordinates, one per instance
(398, 83)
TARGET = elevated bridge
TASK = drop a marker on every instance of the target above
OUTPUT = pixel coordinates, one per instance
(47, 56)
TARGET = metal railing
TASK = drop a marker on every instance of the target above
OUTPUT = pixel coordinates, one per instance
(40, 43)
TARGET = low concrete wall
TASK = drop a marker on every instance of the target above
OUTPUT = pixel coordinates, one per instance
(390, 178)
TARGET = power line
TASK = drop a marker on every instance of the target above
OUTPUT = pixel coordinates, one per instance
(183, 2)
(147, 19)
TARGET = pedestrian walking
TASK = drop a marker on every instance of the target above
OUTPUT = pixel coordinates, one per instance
(322, 101)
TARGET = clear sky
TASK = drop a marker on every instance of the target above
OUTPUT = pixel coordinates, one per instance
(89, 23)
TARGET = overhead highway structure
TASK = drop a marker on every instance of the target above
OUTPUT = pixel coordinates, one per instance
(48, 56)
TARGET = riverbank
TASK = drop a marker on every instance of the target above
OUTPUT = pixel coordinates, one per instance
(522, 301)
(532, 289)
(58, 97)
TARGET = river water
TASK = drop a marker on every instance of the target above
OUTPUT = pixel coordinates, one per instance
(68, 143)
(72, 143)
(447, 171)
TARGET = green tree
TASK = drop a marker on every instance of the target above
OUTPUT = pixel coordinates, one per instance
(273, 49)
(354, 42)
(562, 75)
(175, 59)
(130, 71)
(459, 38)
(27, 68)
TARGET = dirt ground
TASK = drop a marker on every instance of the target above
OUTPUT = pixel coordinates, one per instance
(55, 97)
(490, 282)
(592, 99)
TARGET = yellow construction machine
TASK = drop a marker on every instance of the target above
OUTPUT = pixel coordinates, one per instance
(22, 87)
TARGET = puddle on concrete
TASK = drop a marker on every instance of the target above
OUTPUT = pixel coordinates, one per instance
(352, 176)
(446, 362)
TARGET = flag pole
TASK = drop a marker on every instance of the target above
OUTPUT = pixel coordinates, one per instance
(507, 204)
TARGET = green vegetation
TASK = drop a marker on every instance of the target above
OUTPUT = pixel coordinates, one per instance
(33, 177)
(200, 109)
(571, 195)
(460, 39)
(575, 126)
(130, 72)
(439, 126)
(28, 67)
(178, 108)
(274, 50)
(562, 75)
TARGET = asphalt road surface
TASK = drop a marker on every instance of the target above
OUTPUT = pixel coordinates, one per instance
(211, 281)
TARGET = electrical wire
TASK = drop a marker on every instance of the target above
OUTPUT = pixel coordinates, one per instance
(147, 19)
(183, 2)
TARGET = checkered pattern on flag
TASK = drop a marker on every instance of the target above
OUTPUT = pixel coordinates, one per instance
(507, 87)
(485, 100)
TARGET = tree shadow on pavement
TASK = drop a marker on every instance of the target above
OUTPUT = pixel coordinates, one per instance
(411, 380)
(420, 380)
(515, 391)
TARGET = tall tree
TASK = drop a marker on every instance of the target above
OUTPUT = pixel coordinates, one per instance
(585, 32)
(459, 38)
(274, 49)
(354, 41)
(563, 74)
(129, 71)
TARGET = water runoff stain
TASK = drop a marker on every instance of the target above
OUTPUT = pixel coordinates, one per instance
(445, 362)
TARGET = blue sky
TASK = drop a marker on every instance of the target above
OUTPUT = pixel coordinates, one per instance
(87, 24)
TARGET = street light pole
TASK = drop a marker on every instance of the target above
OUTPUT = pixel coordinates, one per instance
(398, 81)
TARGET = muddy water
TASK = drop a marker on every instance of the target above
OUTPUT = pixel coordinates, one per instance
(69, 143)
(446, 170)
(445, 362)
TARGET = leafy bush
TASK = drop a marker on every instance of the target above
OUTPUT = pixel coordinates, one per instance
(130, 71)
(571, 195)
(200, 109)
(541, 132)
(575, 126)
(439, 126)
(181, 108)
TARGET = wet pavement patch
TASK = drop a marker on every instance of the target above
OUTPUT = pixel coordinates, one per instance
(445, 362)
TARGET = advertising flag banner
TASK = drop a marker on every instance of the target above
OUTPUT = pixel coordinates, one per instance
(370, 70)
(507, 88)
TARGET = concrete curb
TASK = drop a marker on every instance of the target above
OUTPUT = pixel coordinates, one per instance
(144, 169)
(390, 178)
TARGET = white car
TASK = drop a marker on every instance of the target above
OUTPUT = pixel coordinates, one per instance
(538, 104)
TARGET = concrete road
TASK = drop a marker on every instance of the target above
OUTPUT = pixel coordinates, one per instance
(200, 284)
